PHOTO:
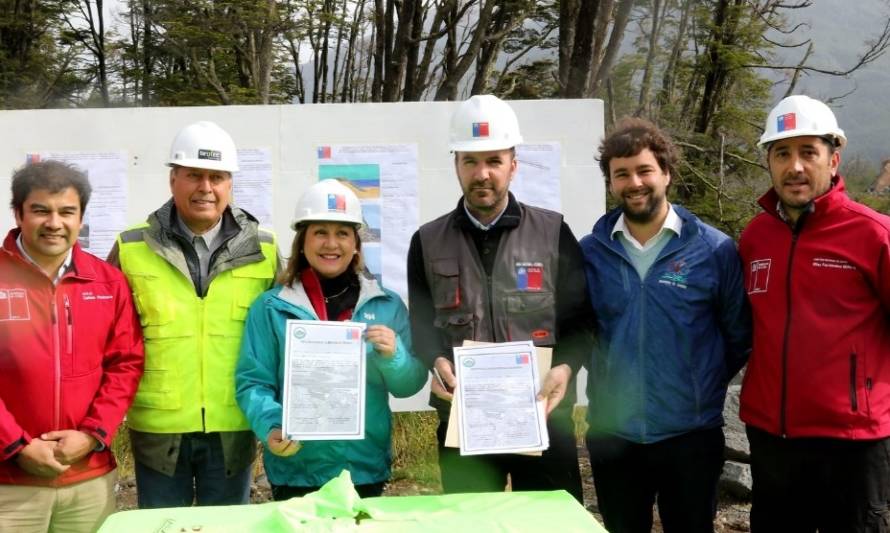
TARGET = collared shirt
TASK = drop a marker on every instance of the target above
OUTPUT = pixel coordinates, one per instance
(780, 210)
(204, 244)
(480, 225)
(66, 265)
(671, 223)
(809, 208)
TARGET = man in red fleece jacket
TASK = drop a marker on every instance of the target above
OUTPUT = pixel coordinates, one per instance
(71, 357)
(816, 397)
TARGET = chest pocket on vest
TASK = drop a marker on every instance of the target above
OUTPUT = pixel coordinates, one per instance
(531, 315)
(457, 323)
(445, 285)
(157, 311)
(250, 281)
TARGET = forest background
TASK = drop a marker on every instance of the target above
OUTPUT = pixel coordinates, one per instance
(706, 70)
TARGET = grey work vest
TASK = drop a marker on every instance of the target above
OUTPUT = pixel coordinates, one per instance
(517, 303)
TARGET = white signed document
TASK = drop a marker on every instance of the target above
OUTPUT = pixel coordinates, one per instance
(498, 411)
(324, 380)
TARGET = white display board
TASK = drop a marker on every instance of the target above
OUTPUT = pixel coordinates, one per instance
(563, 132)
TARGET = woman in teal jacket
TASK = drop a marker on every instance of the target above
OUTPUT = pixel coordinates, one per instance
(323, 281)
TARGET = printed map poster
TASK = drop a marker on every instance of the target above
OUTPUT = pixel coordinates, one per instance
(384, 177)
(106, 214)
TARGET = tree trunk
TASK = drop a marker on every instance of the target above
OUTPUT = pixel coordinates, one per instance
(582, 50)
(423, 69)
(604, 70)
(643, 102)
(349, 70)
(379, 51)
(448, 88)
(397, 62)
(337, 75)
(722, 38)
(568, 14)
(668, 81)
(411, 63)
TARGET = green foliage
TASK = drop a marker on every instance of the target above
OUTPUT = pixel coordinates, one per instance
(529, 82)
(858, 173)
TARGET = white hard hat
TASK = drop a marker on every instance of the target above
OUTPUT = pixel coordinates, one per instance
(801, 116)
(328, 201)
(483, 123)
(204, 145)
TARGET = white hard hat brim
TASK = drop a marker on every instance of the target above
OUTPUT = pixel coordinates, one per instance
(345, 218)
(768, 139)
(484, 145)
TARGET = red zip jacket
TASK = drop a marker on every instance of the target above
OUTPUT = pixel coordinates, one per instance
(820, 296)
(71, 357)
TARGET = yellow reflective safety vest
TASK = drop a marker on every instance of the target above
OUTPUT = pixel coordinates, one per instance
(192, 343)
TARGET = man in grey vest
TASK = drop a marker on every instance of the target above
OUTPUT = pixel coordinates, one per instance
(497, 270)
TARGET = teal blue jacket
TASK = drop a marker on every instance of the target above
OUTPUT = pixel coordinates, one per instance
(259, 378)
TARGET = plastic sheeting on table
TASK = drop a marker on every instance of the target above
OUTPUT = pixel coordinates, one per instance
(336, 507)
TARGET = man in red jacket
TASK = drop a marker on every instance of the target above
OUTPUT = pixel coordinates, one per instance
(816, 396)
(70, 360)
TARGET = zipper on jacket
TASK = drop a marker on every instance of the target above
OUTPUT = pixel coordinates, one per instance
(202, 364)
(641, 358)
(57, 365)
(854, 402)
(69, 326)
(795, 233)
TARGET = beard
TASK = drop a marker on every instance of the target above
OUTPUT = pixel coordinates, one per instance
(647, 212)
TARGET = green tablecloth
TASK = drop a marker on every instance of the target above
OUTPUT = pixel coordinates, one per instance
(336, 507)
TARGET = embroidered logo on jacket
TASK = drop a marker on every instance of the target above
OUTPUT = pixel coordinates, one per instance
(530, 276)
(14, 305)
(758, 275)
(676, 274)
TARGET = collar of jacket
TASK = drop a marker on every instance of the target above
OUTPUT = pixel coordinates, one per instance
(243, 247)
(290, 296)
(164, 219)
(510, 218)
(834, 198)
(602, 230)
(81, 269)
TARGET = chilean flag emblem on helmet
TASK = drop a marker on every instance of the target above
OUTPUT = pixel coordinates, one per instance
(337, 202)
(480, 129)
(786, 122)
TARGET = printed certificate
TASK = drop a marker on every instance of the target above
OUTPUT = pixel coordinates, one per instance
(498, 411)
(324, 380)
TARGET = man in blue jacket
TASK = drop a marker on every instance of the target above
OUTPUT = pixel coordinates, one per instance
(674, 327)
